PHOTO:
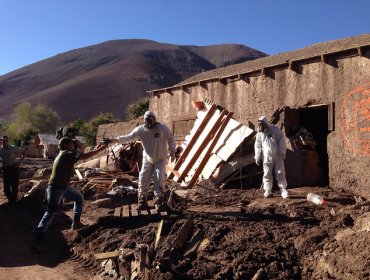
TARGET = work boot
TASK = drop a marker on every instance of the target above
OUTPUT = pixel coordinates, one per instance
(76, 224)
(159, 203)
(142, 205)
(284, 193)
(267, 194)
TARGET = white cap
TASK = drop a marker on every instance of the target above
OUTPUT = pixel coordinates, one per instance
(149, 114)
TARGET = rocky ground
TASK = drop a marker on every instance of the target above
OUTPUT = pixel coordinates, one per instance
(207, 234)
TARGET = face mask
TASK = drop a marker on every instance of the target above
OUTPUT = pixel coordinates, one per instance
(150, 122)
(262, 127)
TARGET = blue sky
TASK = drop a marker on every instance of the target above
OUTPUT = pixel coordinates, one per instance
(34, 30)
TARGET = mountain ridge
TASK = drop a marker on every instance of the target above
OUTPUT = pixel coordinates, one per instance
(107, 77)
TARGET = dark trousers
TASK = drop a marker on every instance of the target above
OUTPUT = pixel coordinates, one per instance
(11, 182)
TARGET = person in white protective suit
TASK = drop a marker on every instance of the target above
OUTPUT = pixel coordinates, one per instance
(270, 146)
(155, 137)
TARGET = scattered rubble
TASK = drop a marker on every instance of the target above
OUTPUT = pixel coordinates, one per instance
(213, 228)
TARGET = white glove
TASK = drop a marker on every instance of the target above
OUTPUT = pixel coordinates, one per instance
(258, 161)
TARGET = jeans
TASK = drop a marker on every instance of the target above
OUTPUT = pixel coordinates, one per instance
(54, 198)
(11, 182)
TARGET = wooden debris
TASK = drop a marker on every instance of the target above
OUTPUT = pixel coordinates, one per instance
(106, 255)
(79, 175)
(183, 234)
(158, 235)
(135, 269)
(194, 243)
(118, 212)
(203, 245)
(230, 167)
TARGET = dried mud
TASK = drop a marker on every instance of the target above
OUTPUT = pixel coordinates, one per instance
(233, 234)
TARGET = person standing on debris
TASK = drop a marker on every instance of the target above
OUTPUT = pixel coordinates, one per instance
(155, 138)
(11, 158)
(270, 146)
(58, 185)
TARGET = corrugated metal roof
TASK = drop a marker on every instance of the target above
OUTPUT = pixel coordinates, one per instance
(50, 139)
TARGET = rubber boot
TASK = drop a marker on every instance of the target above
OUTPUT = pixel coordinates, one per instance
(159, 202)
(142, 203)
(76, 224)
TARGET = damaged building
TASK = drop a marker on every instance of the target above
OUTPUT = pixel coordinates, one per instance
(323, 91)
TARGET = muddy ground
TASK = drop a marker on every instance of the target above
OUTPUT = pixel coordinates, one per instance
(231, 234)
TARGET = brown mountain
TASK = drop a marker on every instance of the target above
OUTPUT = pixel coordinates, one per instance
(107, 77)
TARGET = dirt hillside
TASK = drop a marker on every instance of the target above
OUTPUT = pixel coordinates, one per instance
(107, 77)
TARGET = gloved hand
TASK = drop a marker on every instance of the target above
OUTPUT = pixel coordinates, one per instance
(106, 141)
(283, 156)
(258, 161)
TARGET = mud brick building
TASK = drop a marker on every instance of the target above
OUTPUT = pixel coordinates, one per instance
(323, 87)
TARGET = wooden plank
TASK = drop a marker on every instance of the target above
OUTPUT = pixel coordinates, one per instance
(183, 234)
(158, 234)
(210, 149)
(194, 243)
(107, 255)
(118, 212)
(125, 211)
(78, 173)
(232, 166)
(102, 181)
(205, 142)
(151, 208)
(153, 211)
(234, 135)
(193, 140)
(133, 211)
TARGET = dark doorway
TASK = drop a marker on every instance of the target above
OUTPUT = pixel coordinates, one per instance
(312, 158)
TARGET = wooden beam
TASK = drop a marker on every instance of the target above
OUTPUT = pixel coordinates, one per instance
(203, 162)
(183, 234)
(107, 255)
(158, 235)
(202, 146)
(193, 140)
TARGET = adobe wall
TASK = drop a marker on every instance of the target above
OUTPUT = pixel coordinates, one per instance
(344, 80)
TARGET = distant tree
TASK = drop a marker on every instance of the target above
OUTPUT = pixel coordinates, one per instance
(78, 124)
(27, 121)
(44, 119)
(89, 129)
(137, 109)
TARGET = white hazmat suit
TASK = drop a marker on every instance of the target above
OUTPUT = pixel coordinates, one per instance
(155, 141)
(270, 146)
